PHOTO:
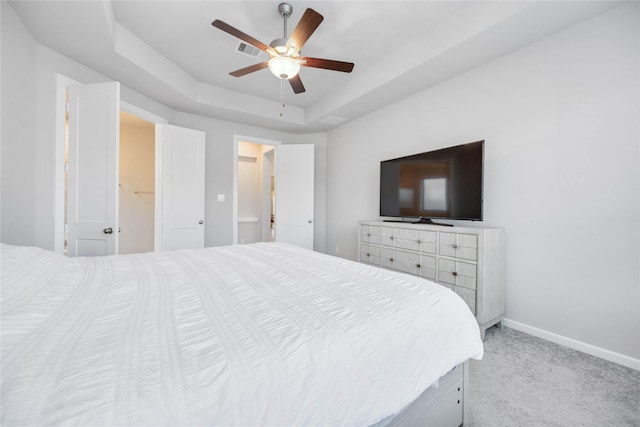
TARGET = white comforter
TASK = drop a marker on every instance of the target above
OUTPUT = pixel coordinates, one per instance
(264, 334)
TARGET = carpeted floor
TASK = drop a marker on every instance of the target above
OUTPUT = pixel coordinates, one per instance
(526, 381)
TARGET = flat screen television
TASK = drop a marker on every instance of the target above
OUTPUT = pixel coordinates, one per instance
(445, 183)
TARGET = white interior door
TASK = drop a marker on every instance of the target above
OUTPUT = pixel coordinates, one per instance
(180, 192)
(94, 138)
(294, 194)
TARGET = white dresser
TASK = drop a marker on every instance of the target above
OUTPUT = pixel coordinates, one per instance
(468, 260)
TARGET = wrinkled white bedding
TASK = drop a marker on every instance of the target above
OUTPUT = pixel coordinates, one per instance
(262, 334)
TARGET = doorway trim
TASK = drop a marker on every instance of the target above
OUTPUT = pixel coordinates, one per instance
(236, 141)
(62, 84)
(143, 114)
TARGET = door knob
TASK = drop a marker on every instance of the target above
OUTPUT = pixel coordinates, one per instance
(310, 221)
(201, 222)
(108, 230)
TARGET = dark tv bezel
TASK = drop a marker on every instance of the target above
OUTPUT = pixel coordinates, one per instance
(427, 219)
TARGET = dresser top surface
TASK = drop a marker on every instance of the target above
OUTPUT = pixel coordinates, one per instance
(436, 227)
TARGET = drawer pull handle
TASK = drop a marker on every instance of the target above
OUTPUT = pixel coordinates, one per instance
(418, 241)
(391, 237)
(368, 234)
(391, 259)
(418, 265)
(368, 255)
(454, 273)
(455, 246)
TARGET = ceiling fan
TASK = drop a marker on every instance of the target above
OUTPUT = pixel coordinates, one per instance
(285, 60)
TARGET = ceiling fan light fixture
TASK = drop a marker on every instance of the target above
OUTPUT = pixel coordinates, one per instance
(284, 67)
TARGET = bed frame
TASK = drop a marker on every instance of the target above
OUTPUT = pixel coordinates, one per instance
(443, 404)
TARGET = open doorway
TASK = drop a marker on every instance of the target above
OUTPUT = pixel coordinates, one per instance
(256, 192)
(280, 207)
(136, 184)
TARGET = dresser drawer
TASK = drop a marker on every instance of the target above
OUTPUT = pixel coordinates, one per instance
(428, 267)
(428, 241)
(414, 240)
(457, 273)
(387, 236)
(386, 258)
(370, 234)
(370, 254)
(459, 245)
(409, 262)
(406, 239)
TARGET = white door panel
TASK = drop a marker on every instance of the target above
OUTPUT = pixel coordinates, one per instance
(181, 201)
(94, 139)
(294, 194)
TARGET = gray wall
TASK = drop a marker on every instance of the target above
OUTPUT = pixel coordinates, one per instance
(560, 120)
(18, 106)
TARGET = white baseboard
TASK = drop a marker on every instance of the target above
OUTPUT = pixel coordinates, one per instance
(611, 356)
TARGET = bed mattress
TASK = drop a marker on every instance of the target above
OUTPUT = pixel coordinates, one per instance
(261, 334)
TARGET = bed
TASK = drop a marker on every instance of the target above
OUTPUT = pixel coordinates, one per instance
(244, 335)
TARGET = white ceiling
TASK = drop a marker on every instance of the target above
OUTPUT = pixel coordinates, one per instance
(168, 50)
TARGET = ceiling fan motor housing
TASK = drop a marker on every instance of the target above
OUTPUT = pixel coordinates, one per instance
(279, 45)
(285, 9)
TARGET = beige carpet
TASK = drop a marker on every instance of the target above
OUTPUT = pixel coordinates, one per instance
(527, 381)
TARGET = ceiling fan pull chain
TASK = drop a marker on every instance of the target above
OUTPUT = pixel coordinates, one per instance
(282, 95)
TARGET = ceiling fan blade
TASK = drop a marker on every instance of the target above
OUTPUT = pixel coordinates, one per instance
(307, 25)
(250, 69)
(327, 64)
(296, 84)
(242, 36)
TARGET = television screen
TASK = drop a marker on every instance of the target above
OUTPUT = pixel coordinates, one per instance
(444, 183)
